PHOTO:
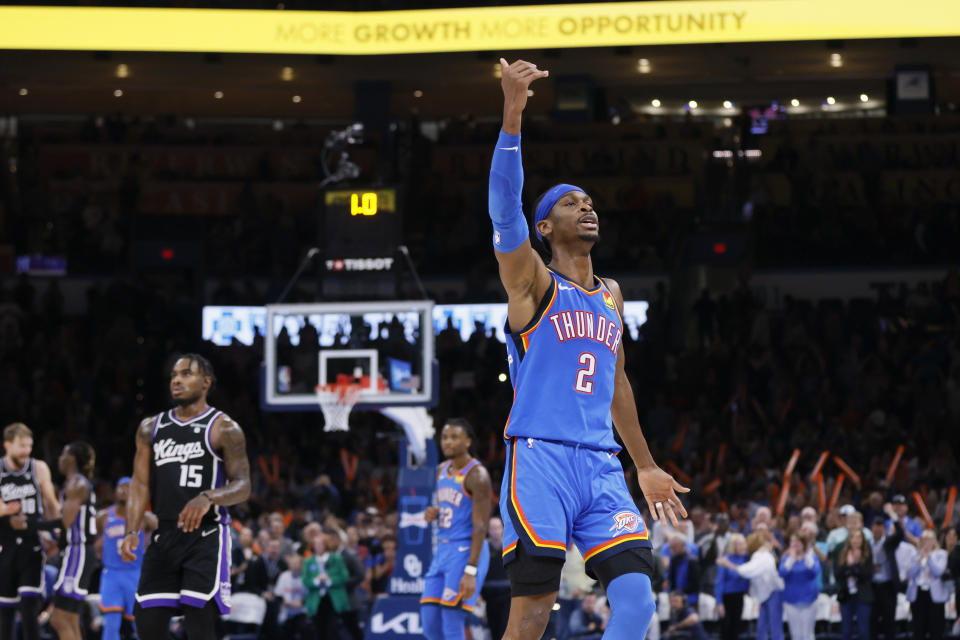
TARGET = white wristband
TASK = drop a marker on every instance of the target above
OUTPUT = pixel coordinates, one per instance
(470, 570)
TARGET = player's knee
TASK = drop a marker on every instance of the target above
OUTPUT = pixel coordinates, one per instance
(631, 605)
(112, 621)
(431, 622)
(453, 619)
(59, 619)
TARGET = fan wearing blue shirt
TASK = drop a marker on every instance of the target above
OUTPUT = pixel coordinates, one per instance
(730, 588)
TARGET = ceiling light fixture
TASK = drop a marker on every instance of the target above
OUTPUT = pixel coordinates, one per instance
(218, 95)
(836, 60)
(864, 97)
(118, 93)
(727, 104)
(831, 100)
(286, 74)
(655, 103)
(794, 103)
(643, 65)
(693, 104)
(297, 99)
(23, 91)
(123, 71)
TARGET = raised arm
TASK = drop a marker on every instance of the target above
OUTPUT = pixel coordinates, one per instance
(227, 437)
(659, 488)
(477, 483)
(139, 489)
(522, 272)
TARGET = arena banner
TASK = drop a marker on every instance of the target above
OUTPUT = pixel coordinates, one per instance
(394, 618)
(470, 29)
(415, 485)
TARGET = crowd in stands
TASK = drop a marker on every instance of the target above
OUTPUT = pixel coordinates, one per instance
(870, 191)
(723, 408)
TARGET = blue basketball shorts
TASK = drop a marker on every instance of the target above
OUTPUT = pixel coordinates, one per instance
(554, 492)
(118, 590)
(442, 582)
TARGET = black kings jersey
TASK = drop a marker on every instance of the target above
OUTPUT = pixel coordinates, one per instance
(20, 486)
(83, 529)
(184, 464)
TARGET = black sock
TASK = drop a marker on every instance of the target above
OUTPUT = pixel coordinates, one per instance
(29, 610)
(7, 616)
(201, 622)
(153, 623)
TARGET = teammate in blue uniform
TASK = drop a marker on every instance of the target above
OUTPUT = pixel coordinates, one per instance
(118, 580)
(563, 481)
(453, 582)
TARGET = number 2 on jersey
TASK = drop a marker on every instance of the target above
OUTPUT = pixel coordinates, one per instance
(584, 382)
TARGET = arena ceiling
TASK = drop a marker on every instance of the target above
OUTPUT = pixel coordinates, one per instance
(449, 84)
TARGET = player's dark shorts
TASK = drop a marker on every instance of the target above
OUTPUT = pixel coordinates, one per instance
(21, 568)
(76, 573)
(186, 569)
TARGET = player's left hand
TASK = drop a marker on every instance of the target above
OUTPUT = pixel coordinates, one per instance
(468, 585)
(660, 490)
(193, 512)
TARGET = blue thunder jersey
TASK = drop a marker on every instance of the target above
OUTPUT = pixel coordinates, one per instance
(563, 366)
(454, 504)
(113, 532)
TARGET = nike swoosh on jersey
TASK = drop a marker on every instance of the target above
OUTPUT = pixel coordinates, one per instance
(206, 533)
(467, 548)
(564, 287)
(509, 148)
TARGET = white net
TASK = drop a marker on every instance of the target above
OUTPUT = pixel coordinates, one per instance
(336, 402)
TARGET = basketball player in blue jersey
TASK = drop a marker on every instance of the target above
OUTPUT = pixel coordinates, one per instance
(191, 463)
(563, 481)
(118, 580)
(78, 516)
(453, 582)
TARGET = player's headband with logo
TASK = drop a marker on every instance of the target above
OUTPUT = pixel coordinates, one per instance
(547, 201)
(122, 481)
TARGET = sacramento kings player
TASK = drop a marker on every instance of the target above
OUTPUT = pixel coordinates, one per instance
(79, 527)
(26, 497)
(191, 464)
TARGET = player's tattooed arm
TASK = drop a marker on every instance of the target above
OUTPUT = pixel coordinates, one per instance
(233, 444)
(51, 506)
(477, 483)
(227, 437)
(139, 486)
(659, 488)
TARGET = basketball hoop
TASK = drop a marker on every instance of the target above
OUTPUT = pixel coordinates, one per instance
(337, 401)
